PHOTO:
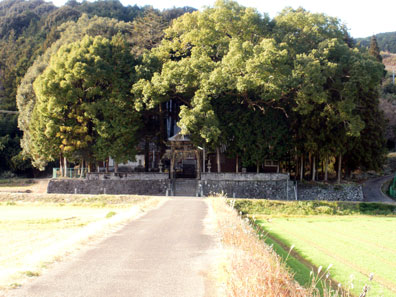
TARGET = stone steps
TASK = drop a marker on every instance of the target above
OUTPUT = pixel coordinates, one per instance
(185, 187)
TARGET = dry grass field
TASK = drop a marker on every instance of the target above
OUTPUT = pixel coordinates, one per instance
(38, 229)
(23, 185)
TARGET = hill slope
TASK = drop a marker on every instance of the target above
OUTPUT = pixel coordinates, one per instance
(386, 41)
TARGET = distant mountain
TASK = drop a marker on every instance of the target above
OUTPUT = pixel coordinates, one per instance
(386, 41)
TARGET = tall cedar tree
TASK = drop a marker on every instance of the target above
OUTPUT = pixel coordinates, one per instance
(84, 109)
(374, 49)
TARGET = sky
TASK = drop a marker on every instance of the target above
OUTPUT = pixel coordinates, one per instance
(363, 18)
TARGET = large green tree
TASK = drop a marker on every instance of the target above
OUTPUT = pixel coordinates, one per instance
(300, 64)
(68, 32)
(374, 49)
(84, 109)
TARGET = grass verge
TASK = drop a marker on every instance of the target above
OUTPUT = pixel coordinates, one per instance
(251, 268)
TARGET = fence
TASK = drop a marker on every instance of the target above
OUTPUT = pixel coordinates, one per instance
(392, 188)
(70, 173)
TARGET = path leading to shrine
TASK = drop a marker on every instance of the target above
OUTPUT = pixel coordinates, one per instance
(167, 252)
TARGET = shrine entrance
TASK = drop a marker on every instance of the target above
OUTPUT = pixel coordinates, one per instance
(184, 159)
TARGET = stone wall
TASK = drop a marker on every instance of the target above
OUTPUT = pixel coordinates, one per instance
(342, 192)
(244, 176)
(128, 176)
(109, 186)
(238, 185)
(247, 185)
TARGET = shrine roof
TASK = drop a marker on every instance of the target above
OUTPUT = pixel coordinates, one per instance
(179, 138)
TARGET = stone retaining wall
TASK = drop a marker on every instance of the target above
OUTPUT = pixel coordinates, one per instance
(247, 185)
(121, 186)
(244, 176)
(342, 192)
(128, 176)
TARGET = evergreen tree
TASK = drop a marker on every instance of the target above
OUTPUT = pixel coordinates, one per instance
(374, 49)
(84, 110)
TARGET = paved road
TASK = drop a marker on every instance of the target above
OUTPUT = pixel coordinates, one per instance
(164, 253)
(372, 190)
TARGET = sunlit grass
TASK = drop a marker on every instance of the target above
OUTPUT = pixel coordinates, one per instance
(356, 244)
(37, 229)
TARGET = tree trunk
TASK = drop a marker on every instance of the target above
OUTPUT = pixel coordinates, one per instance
(339, 169)
(65, 165)
(326, 168)
(237, 164)
(163, 133)
(97, 167)
(107, 165)
(302, 168)
(115, 167)
(89, 167)
(218, 160)
(61, 165)
(203, 159)
(257, 167)
(172, 123)
(313, 168)
(82, 168)
(146, 154)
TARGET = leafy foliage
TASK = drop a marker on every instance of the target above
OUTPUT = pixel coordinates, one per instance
(232, 68)
(26, 57)
(83, 109)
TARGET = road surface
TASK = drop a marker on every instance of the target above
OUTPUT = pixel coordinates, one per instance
(167, 252)
(372, 190)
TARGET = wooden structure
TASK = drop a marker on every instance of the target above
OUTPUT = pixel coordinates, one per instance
(182, 149)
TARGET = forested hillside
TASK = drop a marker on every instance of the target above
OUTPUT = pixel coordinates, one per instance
(29, 28)
(386, 41)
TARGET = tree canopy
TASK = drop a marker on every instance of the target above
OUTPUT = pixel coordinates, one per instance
(300, 63)
(84, 108)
